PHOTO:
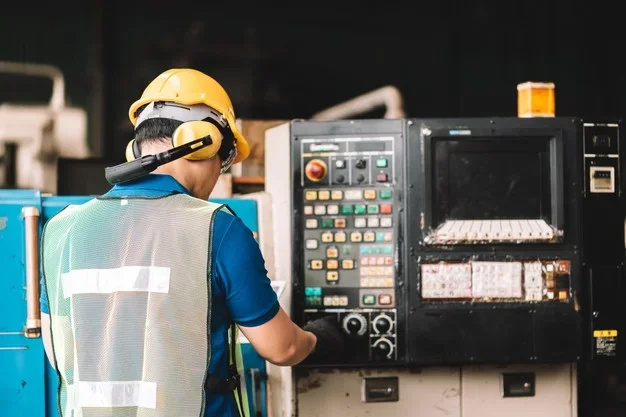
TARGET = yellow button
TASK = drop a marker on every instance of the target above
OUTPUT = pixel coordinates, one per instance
(369, 236)
(369, 194)
(327, 237)
(324, 195)
(332, 264)
(347, 264)
(356, 237)
(316, 264)
(310, 195)
(332, 252)
(332, 276)
(340, 237)
(311, 223)
(336, 195)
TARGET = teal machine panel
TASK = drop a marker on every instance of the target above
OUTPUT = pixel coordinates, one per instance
(28, 383)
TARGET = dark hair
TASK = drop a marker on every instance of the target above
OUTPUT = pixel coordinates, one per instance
(155, 130)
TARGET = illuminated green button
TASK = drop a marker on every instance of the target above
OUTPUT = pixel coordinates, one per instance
(369, 299)
(385, 194)
(372, 208)
(313, 291)
(381, 163)
(359, 209)
(327, 223)
(346, 209)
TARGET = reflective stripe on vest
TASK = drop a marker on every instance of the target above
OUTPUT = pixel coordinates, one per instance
(128, 286)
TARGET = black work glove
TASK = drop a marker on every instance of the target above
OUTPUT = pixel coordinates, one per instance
(330, 340)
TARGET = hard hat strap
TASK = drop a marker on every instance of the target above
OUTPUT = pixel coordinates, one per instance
(179, 112)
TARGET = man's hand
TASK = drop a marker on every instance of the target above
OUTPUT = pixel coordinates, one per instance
(330, 341)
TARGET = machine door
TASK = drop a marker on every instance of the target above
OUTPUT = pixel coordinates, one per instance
(22, 365)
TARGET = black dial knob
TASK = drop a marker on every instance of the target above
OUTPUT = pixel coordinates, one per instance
(360, 178)
(382, 324)
(360, 163)
(340, 179)
(383, 348)
(354, 324)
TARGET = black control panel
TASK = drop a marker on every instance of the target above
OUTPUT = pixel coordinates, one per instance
(348, 217)
(494, 236)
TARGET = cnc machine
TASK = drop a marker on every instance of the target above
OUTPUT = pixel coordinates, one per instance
(472, 264)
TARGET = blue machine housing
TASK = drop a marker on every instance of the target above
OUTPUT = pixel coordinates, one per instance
(28, 384)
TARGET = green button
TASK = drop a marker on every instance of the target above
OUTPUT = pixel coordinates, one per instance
(346, 250)
(369, 299)
(313, 291)
(313, 301)
(346, 209)
(372, 208)
(327, 223)
(381, 163)
(385, 194)
(359, 209)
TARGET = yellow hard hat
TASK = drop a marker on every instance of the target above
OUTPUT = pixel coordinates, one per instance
(189, 87)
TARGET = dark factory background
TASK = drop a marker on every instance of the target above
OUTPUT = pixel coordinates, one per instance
(447, 58)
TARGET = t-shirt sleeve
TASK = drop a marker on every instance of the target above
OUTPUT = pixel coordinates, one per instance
(43, 300)
(250, 297)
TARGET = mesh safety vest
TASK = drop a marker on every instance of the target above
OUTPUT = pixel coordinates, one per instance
(129, 289)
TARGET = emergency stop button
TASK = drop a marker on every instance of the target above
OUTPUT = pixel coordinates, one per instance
(315, 170)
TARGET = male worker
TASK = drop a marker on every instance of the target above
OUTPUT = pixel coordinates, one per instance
(141, 285)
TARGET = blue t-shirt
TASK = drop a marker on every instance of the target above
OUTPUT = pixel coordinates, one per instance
(241, 290)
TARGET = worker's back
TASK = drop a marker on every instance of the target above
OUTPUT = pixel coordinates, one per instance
(129, 299)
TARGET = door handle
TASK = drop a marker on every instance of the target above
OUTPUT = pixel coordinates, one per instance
(33, 309)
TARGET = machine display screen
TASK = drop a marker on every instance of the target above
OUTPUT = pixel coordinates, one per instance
(497, 187)
(492, 179)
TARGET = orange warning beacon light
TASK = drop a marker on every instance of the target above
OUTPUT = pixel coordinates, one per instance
(535, 99)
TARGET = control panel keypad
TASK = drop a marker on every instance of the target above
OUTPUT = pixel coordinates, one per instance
(349, 242)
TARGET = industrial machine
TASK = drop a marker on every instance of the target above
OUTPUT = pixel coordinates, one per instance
(34, 136)
(474, 265)
(28, 386)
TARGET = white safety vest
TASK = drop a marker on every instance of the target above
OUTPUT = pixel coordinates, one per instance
(128, 286)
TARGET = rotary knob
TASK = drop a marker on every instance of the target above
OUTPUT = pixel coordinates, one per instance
(355, 324)
(382, 324)
(315, 170)
(383, 348)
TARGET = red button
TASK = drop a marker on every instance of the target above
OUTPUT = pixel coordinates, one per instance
(385, 208)
(384, 299)
(315, 169)
(381, 177)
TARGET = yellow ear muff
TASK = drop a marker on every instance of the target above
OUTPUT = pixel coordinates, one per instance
(190, 131)
(130, 151)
